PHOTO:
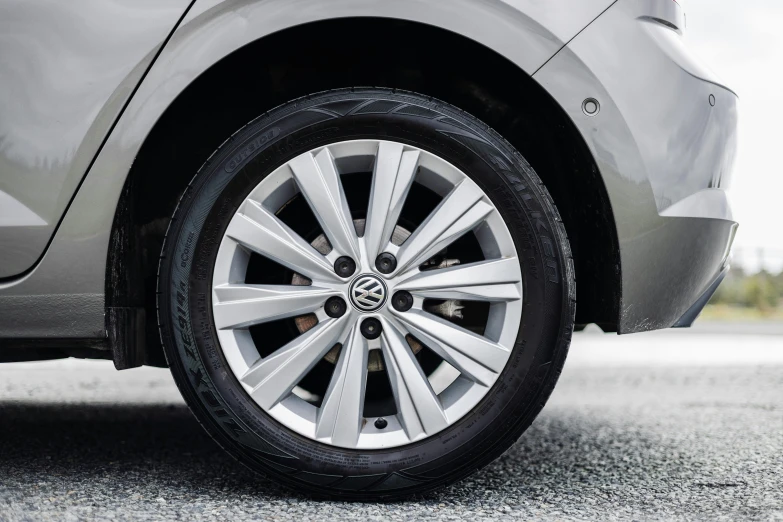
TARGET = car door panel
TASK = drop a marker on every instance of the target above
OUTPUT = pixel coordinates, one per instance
(66, 71)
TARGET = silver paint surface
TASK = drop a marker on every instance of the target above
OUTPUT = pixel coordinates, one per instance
(66, 69)
(528, 32)
(664, 152)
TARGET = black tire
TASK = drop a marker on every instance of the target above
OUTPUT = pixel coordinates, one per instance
(217, 399)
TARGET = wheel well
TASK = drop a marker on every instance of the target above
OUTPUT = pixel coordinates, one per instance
(345, 53)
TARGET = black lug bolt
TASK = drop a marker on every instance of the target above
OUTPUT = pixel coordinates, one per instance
(386, 263)
(402, 301)
(371, 328)
(381, 423)
(335, 307)
(345, 266)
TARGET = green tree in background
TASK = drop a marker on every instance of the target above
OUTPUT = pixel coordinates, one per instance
(761, 291)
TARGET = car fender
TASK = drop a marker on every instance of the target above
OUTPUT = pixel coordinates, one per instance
(526, 32)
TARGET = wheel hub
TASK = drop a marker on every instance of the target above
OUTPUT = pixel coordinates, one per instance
(368, 293)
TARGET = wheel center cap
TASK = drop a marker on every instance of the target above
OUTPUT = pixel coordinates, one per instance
(368, 293)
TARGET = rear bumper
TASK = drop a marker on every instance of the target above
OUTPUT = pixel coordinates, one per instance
(687, 320)
(667, 271)
(664, 141)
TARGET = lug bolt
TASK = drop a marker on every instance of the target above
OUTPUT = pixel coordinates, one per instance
(371, 328)
(402, 301)
(344, 266)
(335, 307)
(381, 423)
(386, 263)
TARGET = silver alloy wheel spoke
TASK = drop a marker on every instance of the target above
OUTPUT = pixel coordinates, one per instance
(273, 377)
(240, 305)
(460, 211)
(284, 383)
(494, 281)
(475, 356)
(340, 416)
(395, 169)
(418, 408)
(317, 178)
(259, 230)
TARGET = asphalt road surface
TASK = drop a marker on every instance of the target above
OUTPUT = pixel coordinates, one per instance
(658, 426)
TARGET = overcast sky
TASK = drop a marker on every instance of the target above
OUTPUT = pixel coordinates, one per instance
(742, 41)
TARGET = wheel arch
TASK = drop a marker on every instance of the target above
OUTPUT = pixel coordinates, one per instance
(342, 53)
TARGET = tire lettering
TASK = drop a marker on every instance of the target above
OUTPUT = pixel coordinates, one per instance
(238, 159)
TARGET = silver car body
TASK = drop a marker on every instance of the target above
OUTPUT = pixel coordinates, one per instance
(84, 82)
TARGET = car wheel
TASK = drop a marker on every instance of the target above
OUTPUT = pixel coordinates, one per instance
(366, 294)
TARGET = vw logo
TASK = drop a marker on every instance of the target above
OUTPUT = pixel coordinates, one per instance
(368, 293)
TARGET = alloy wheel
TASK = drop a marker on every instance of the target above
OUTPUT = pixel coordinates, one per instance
(369, 293)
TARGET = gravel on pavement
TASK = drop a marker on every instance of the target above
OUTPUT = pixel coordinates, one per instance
(654, 427)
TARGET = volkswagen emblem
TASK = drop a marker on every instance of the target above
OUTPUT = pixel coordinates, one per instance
(368, 293)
